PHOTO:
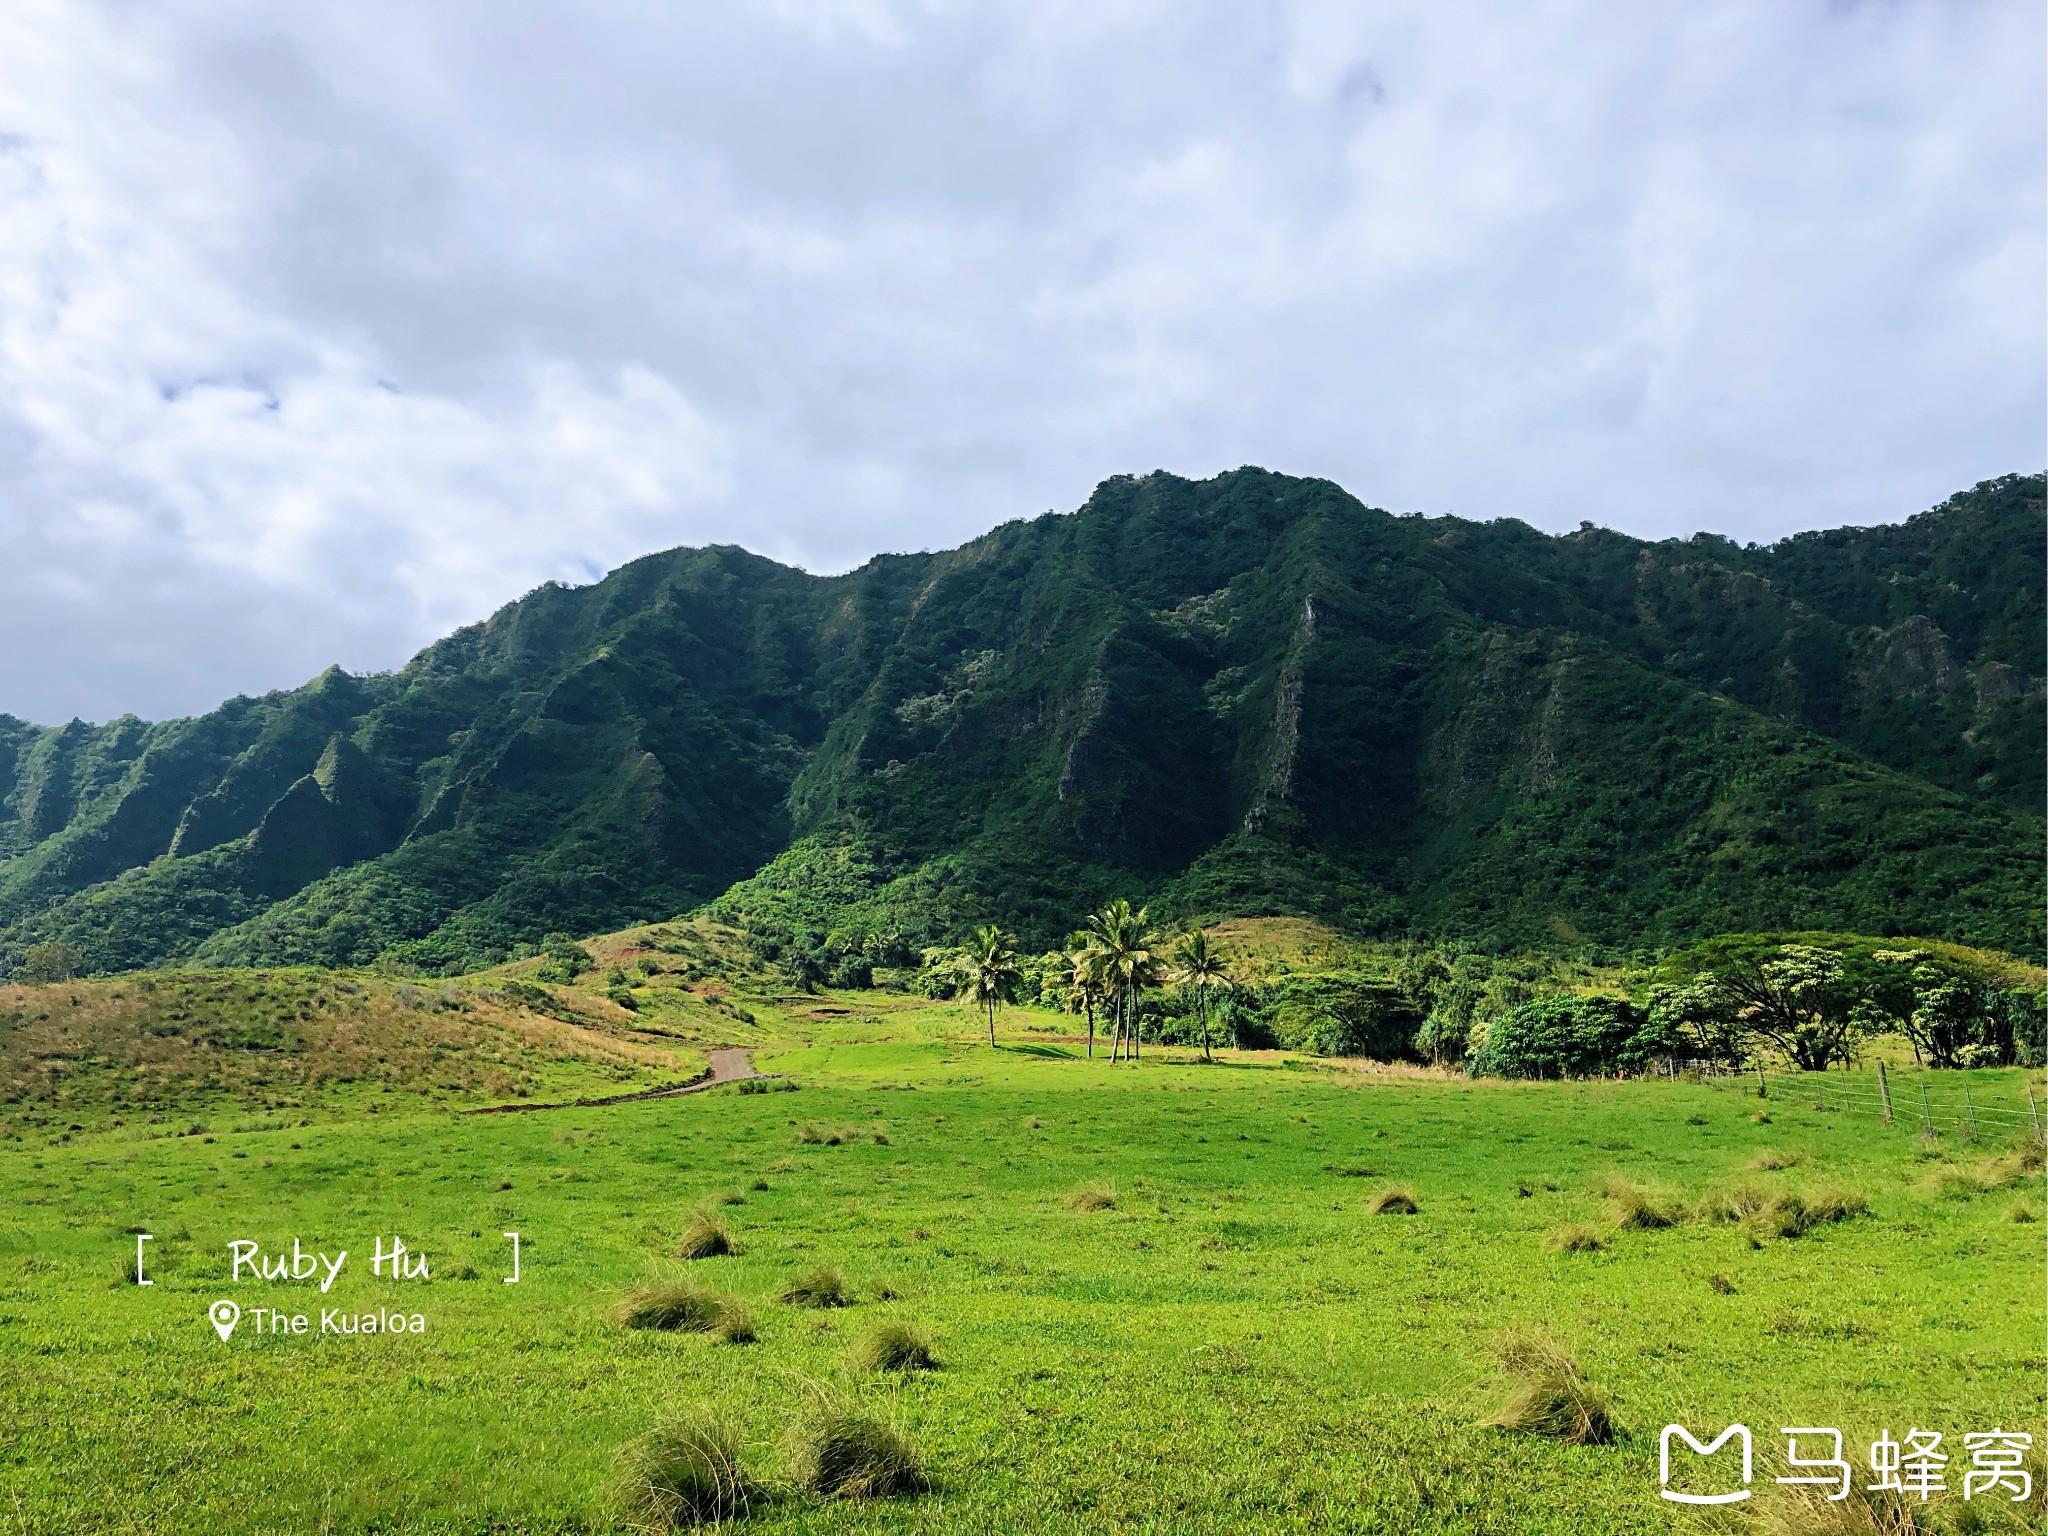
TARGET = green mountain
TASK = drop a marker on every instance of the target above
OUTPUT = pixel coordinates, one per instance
(1244, 695)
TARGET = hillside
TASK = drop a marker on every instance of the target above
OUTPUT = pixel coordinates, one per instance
(1239, 696)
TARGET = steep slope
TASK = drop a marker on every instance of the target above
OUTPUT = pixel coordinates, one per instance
(1250, 694)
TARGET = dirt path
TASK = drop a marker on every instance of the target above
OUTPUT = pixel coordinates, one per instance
(728, 1065)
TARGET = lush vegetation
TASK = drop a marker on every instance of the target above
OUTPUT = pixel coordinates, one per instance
(1238, 697)
(1007, 1290)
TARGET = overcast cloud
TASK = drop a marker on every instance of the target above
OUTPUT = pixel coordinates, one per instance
(324, 329)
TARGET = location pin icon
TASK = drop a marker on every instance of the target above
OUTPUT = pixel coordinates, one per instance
(224, 1315)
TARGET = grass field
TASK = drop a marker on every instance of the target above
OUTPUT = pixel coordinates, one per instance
(1229, 1341)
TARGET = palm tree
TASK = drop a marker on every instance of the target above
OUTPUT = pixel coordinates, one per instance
(1201, 968)
(1084, 982)
(1126, 943)
(988, 971)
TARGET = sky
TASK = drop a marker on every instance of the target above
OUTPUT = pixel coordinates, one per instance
(327, 328)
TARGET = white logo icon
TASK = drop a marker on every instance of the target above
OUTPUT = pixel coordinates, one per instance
(1733, 1431)
(225, 1314)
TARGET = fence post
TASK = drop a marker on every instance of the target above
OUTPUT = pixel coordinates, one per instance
(1973, 1111)
(1884, 1091)
(1926, 1114)
(2033, 1111)
(1761, 1091)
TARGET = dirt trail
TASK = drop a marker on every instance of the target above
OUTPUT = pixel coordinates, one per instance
(728, 1065)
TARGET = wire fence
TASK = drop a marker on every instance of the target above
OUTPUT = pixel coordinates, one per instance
(1910, 1101)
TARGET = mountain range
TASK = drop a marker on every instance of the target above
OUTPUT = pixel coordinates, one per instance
(1245, 695)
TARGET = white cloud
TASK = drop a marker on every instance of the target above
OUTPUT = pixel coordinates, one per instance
(322, 330)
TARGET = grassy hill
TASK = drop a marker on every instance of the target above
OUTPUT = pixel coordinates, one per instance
(1245, 696)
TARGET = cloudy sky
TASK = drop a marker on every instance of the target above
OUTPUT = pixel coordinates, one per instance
(325, 328)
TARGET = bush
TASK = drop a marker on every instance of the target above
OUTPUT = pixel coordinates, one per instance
(838, 1452)
(677, 1306)
(820, 1286)
(1562, 1036)
(1547, 1395)
(895, 1346)
(686, 1471)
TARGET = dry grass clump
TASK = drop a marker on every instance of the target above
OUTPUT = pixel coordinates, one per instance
(1392, 1201)
(841, 1453)
(706, 1237)
(1575, 1237)
(1806, 1509)
(1736, 1202)
(895, 1346)
(1795, 1215)
(1761, 1117)
(1638, 1208)
(821, 1286)
(1783, 1212)
(1547, 1396)
(811, 1134)
(1771, 1162)
(2021, 1212)
(1094, 1196)
(686, 1471)
(678, 1306)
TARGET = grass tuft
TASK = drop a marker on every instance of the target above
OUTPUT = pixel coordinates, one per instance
(1638, 1208)
(895, 1346)
(1547, 1396)
(841, 1453)
(678, 1306)
(1575, 1237)
(686, 1471)
(1392, 1201)
(821, 1286)
(1771, 1162)
(1720, 1284)
(1092, 1197)
(706, 1237)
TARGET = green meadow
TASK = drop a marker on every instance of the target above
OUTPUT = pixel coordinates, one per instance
(1158, 1294)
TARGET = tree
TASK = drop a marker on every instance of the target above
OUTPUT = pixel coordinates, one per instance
(1796, 997)
(1084, 982)
(1199, 968)
(52, 961)
(1953, 1016)
(989, 971)
(1129, 963)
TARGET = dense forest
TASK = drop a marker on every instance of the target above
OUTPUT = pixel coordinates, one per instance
(1241, 696)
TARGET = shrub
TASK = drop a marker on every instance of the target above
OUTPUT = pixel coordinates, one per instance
(1575, 1237)
(1392, 1201)
(677, 1306)
(1092, 1197)
(1561, 1036)
(685, 1471)
(895, 1346)
(820, 1286)
(838, 1452)
(706, 1237)
(1547, 1396)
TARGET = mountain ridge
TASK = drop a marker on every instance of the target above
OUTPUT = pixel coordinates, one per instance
(1178, 684)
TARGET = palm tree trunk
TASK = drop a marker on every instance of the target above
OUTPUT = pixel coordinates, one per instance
(1202, 1007)
(1090, 1007)
(991, 1023)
